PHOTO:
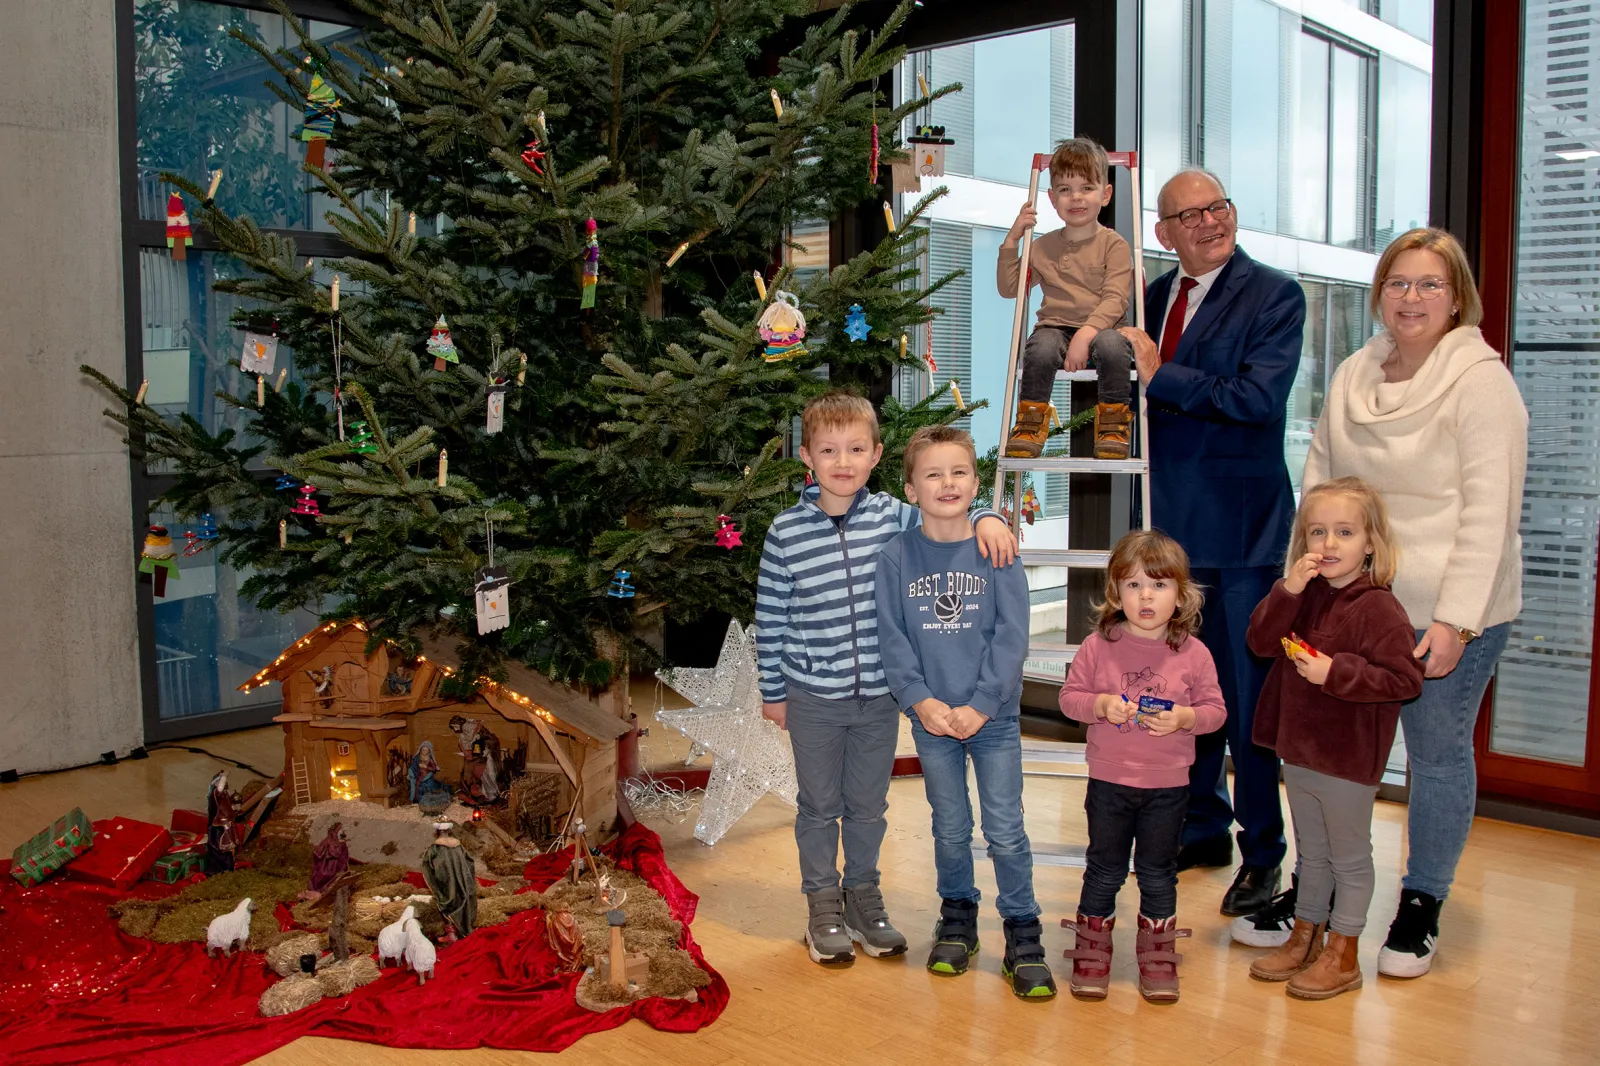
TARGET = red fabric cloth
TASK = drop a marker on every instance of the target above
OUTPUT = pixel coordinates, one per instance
(1172, 331)
(74, 988)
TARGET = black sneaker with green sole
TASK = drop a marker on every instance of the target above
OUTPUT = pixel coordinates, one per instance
(955, 937)
(1024, 964)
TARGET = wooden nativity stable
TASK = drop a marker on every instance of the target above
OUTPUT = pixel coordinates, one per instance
(349, 717)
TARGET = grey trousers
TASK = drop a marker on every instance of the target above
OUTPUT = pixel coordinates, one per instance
(1333, 839)
(843, 759)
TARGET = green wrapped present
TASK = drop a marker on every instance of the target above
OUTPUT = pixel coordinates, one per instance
(68, 837)
(177, 865)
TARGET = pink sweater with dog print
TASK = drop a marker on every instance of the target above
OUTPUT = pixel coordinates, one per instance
(1132, 667)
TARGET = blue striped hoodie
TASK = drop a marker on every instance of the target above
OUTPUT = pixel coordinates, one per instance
(816, 605)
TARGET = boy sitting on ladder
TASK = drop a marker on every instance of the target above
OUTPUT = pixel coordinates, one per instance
(1084, 271)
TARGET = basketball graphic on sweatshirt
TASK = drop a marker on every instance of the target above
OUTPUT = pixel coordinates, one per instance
(948, 606)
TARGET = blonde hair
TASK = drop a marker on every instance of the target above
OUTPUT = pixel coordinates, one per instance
(1161, 557)
(927, 437)
(1383, 555)
(837, 410)
(1080, 157)
(1462, 287)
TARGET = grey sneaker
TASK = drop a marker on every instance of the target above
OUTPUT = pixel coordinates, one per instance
(867, 922)
(827, 940)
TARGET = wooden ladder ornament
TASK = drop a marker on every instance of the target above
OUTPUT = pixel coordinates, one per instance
(302, 782)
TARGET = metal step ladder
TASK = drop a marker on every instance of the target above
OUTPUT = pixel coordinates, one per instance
(1069, 758)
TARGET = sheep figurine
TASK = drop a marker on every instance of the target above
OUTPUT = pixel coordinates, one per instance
(229, 929)
(420, 954)
(392, 939)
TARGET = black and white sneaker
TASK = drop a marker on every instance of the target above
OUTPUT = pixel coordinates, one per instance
(1268, 927)
(1413, 938)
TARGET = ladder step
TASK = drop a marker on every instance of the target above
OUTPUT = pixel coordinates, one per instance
(1065, 557)
(1052, 653)
(1063, 464)
(1047, 751)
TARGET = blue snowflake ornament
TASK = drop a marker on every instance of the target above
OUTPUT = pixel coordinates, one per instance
(855, 324)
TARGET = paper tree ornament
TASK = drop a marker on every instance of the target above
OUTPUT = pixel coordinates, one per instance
(591, 264)
(493, 595)
(361, 441)
(728, 536)
(531, 156)
(322, 104)
(284, 482)
(1030, 506)
(260, 353)
(158, 559)
(179, 235)
(783, 327)
(207, 529)
(855, 324)
(927, 150)
(440, 344)
(497, 407)
(307, 503)
(621, 586)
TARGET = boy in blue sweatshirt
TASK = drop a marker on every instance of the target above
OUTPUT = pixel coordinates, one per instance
(821, 676)
(954, 633)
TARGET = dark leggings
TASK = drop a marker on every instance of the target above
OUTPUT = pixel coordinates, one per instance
(1144, 822)
(1110, 353)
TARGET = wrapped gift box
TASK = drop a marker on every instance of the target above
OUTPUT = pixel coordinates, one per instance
(68, 837)
(125, 851)
(188, 821)
(174, 866)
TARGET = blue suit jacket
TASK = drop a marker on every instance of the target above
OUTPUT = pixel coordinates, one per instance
(1218, 483)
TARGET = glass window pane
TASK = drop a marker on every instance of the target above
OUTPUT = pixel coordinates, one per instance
(191, 348)
(1310, 382)
(203, 104)
(1310, 190)
(1405, 132)
(1348, 150)
(1163, 109)
(1243, 48)
(953, 112)
(1541, 705)
(1010, 104)
(1413, 16)
(209, 639)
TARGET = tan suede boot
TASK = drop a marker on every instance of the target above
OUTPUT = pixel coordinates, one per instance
(1113, 429)
(1297, 953)
(1031, 431)
(1336, 970)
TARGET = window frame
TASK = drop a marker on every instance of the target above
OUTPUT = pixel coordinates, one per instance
(1369, 179)
(139, 234)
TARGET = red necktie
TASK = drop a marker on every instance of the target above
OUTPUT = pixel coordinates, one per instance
(1172, 332)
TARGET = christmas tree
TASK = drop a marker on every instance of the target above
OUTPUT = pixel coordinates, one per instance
(696, 135)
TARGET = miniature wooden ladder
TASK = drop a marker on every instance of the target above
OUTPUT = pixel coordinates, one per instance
(302, 782)
(1068, 757)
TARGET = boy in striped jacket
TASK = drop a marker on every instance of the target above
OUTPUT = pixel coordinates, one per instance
(822, 678)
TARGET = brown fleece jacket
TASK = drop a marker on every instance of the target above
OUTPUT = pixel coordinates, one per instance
(1344, 727)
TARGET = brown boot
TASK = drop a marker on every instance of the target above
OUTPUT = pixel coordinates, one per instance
(1031, 431)
(1158, 962)
(1297, 953)
(1336, 970)
(1113, 428)
(1090, 955)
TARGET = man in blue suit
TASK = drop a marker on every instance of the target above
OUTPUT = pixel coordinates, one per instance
(1217, 364)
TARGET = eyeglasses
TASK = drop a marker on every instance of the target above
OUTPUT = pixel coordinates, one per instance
(1222, 210)
(1427, 288)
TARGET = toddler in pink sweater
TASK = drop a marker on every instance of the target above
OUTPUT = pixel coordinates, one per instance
(1145, 685)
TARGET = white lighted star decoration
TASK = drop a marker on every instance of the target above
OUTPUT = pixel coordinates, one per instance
(750, 756)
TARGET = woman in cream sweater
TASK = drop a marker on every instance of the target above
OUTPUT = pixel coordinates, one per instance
(1429, 415)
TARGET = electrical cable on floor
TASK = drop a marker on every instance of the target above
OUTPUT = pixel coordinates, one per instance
(110, 759)
(213, 755)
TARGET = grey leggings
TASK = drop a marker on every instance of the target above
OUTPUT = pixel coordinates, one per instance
(1333, 839)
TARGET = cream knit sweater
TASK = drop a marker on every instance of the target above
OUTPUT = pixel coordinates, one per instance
(1448, 450)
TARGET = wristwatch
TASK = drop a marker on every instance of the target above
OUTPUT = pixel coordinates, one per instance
(1467, 635)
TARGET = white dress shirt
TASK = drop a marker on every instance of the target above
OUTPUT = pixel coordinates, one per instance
(1202, 286)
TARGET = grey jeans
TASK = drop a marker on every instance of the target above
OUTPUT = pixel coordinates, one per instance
(1333, 839)
(843, 759)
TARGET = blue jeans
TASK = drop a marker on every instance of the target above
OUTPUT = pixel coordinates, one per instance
(1444, 774)
(996, 753)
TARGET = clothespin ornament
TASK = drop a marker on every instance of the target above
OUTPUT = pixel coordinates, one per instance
(179, 233)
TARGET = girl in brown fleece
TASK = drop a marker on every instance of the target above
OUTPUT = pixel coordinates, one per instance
(1330, 709)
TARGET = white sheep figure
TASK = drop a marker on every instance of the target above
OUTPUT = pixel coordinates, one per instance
(420, 954)
(229, 929)
(392, 939)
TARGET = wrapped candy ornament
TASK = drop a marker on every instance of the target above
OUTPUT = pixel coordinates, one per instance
(159, 559)
(783, 327)
(442, 347)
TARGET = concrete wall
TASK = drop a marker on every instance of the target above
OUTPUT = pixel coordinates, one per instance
(69, 668)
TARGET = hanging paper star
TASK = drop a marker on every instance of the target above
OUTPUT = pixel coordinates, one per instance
(727, 536)
(750, 755)
(855, 324)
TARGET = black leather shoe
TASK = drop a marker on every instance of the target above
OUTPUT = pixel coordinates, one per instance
(1213, 851)
(1253, 888)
